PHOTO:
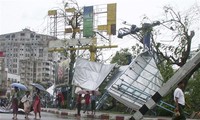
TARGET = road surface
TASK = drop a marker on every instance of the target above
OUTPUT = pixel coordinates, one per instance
(45, 116)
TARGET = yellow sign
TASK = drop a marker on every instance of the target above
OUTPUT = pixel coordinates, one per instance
(111, 14)
(111, 18)
(52, 12)
(102, 27)
(76, 30)
(68, 30)
(70, 10)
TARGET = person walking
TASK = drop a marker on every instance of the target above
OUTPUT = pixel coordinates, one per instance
(179, 100)
(15, 102)
(93, 102)
(87, 102)
(60, 100)
(37, 104)
(78, 104)
(26, 100)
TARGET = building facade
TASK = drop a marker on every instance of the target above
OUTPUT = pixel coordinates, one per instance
(26, 54)
(3, 74)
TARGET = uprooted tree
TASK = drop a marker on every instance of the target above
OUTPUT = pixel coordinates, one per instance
(179, 25)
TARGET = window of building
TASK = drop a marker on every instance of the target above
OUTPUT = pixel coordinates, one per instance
(40, 50)
(32, 36)
(7, 36)
(37, 36)
(13, 35)
(22, 34)
(40, 55)
(49, 55)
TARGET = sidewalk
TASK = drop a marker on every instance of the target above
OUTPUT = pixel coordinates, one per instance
(99, 115)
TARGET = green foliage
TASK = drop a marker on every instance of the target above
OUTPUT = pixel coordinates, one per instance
(193, 92)
(166, 70)
(121, 57)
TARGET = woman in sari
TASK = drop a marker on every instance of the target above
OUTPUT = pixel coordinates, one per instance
(15, 102)
(37, 104)
(26, 100)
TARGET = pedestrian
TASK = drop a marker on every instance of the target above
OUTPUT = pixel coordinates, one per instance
(15, 102)
(179, 100)
(87, 101)
(93, 102)
(37, 104)
(78, 104)
(60, 100)
(26, 100)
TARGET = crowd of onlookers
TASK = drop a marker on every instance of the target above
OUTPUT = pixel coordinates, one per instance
(87, 100)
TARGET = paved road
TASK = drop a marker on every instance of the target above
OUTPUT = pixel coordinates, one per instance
(45, 116)
(53, 116)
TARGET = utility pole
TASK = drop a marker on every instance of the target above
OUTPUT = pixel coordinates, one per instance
(92, 48)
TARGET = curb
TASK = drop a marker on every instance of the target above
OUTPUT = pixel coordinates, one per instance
(70, 114)
(101, 116)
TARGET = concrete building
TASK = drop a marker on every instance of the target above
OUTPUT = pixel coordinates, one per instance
(26, 54)
(12, 78)
(3, 74)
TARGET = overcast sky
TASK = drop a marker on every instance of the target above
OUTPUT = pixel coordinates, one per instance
(16, 15)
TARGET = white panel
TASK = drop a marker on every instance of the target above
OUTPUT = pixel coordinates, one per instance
(69, 42)
(89, 75)
(57, 44)
(137, 83)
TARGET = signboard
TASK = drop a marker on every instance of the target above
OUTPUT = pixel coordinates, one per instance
(111, 18)
(76, 42)
(89, 75)
(136, 84)
(70, 10)
(52, 12)
(102, 27)
(62, 73)
(68, 30)
(88, 21)
(69, 42)
(57, 44)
